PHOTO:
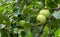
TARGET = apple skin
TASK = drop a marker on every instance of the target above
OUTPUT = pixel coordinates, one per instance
(41, 19)
(45, 12)
(22, 22)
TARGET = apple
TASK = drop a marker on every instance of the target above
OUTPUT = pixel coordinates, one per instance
(45, 12)
(41, 19)
(21, 22)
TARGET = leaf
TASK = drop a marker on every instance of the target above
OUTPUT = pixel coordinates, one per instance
(1, 9)
(2, 26)
(57, 33)
(4, 33)
(29, 34)
(23, 33)
(45, 32)
(1, 19)
(15, 31)
(56, 14)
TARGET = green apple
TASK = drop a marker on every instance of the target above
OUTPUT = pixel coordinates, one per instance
(41, 19)
(22, 22)
(45, 12)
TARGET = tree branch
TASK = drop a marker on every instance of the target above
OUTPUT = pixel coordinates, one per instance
(54, 8)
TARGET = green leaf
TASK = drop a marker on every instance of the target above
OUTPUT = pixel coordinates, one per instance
(4, 33)
(2, 26)
(29, 34)
(1, 9)
(56, 14)
(57, 33)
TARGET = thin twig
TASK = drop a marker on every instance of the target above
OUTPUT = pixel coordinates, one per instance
(53, 8)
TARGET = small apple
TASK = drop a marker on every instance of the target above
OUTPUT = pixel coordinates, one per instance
(41, 19)
(45, 12)
(22, 22)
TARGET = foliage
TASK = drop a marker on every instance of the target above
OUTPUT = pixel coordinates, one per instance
(13, 11)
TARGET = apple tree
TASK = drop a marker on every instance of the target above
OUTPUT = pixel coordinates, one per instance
(29, 18)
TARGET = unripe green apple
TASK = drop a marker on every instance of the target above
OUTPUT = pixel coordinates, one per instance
(45, 12)
(41, 19)
(22, 22)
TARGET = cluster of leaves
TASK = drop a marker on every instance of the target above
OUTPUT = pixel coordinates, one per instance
(13, 11)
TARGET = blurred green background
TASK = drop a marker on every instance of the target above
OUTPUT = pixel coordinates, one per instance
(18, 18)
